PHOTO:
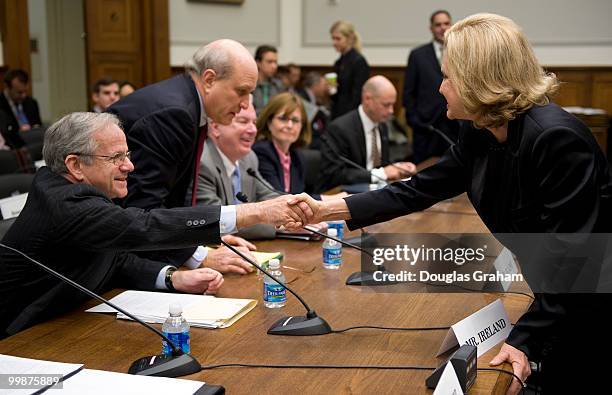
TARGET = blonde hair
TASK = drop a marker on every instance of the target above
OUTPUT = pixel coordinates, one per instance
(287, 103)
(494, 69)
(347, 30)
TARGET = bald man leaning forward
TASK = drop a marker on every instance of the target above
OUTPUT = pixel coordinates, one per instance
(165, 124)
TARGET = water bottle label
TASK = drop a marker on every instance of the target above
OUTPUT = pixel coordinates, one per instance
(332, 256)
(274, 293)
(181, 340)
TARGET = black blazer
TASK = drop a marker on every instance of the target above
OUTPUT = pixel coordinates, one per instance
(353, 71)
(30, 108)
(421, 99)
(345, 136)
(272, 170)
(13, 139)
(78, 231)
(161, 124)
(549, 176)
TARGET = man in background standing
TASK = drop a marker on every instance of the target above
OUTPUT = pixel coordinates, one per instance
(268, 86)
(425, 106)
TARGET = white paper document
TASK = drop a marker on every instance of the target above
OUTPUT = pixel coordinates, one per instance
(203, 311)
(33, 368)
(93, 382)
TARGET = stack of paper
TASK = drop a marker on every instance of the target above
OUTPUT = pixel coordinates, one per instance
(75, 380)
(202, 311)
(93, 382)
(33, 370)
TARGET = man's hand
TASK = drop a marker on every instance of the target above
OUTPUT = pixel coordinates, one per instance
(520, 366)
(399, 170)
(197, 281)
(239, 242)
(225, 260)
(277, 212)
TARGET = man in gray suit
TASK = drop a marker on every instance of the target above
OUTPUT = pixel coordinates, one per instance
(226, 157)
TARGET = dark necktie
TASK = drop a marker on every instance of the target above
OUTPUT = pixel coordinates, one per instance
(375, 149)
(198, 157)
(21, 116)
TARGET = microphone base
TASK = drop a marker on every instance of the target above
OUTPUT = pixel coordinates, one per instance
(300, 326)
(367, 278)
(165, 366)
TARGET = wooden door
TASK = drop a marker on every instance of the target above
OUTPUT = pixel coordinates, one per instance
(15, 37)
(127, 40)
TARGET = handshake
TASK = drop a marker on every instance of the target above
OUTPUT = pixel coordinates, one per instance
(291, 212)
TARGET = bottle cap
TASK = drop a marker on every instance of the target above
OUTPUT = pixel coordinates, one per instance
(175, 309)
(333, 232)
(273, 264)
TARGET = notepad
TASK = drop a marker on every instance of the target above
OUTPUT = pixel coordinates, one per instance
(10, 365)
(204, 311)
(264, 257)
(93, 382)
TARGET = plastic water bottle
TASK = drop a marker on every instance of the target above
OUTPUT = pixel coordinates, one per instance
(274, 295)
(176, 329)
(339, 226)
(332, 251)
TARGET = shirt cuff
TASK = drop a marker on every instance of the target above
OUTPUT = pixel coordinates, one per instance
(227, 221)
(196, 259)
(378, 174)
(160, 283)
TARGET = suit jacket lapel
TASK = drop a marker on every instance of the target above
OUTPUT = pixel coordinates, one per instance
(222, 178)
(436, 66)
(360, 138)
(247, 182)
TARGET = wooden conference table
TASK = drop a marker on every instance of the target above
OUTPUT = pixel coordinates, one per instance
(103, 342)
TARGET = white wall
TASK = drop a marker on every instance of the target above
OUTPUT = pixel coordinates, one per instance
(58, 68)
(563, 32)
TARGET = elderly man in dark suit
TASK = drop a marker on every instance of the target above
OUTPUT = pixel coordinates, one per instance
(424, 105)
(165, 126)
(361, 136)
(20, 109)
(71, 224)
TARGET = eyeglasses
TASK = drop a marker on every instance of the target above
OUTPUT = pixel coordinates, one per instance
(116, 159)
(286, 119)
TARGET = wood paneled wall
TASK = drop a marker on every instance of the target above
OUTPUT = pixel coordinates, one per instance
(128, 40)
(15, 36)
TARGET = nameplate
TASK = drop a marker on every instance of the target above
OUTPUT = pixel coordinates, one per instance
(12, 206)
(505, 264)
(449, 382)
(483, 329)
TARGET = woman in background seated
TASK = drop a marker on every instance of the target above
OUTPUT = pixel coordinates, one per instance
(282, 128)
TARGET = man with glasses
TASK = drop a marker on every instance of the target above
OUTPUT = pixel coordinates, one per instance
(361, 135)
(71, 224)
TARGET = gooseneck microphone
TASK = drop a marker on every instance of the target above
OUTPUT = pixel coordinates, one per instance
(309, 325)
(242, 197)
(441, 134)
(350, 162)
(357, 278)
(175, 365)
